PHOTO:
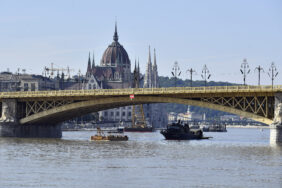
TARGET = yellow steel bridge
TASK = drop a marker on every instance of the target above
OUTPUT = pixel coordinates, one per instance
(32, 107)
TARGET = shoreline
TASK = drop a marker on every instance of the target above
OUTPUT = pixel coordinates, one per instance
(227, 126)
(248, 126)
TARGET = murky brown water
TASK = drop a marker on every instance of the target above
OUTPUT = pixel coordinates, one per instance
(238, 158)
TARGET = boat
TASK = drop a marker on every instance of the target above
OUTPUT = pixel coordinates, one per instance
(100, 136)
(117, 130)
(178, 131)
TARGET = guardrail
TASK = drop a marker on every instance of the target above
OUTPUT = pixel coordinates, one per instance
(169, 90)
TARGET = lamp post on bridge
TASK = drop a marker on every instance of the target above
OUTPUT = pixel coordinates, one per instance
(191, 71)
(259, 68)
(205, 74)
(245, 70)
(175, 72)
(272, 73)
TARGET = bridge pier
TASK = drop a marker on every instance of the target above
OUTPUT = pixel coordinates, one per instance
(275, 134)
(10, 126)
(276, 126)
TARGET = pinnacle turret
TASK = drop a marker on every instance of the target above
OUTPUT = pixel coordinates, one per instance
(93, 61)
(151, 75)
(149, 60)
(155, 61)
(88, 72)
(148, 74)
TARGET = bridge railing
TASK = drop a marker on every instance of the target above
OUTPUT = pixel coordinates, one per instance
(168, 90)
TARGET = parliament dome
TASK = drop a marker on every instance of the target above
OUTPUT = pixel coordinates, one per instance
(115, 54)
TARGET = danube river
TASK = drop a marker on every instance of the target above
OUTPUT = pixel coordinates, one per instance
(239, 158)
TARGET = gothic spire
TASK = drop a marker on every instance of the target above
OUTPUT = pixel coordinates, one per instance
(155, 61)
(138, 66)
(89, 63)
(88, 72)
(149, 60)
(135, 66)
(115, 34)
(148, 74)
(93, 61)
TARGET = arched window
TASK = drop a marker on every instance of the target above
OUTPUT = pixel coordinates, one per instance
(89, 86)
(116, 75)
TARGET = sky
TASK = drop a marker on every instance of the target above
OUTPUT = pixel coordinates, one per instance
(218, 33)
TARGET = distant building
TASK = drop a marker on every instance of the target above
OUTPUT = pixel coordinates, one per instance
(9, 82)
(114, 72)
(229, 118)
(188, 116)
(183, 117)
(172, 116)
(155, 114)
(25, 82)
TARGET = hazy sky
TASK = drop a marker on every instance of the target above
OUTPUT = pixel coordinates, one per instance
(219, 33)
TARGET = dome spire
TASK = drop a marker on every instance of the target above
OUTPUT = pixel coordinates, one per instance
(115, 34)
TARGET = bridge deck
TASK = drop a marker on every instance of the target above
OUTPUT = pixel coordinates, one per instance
(143, 91)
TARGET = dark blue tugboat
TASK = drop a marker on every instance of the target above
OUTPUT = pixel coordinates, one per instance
(178, 131)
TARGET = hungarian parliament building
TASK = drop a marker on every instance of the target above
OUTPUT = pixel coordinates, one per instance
(114, 72)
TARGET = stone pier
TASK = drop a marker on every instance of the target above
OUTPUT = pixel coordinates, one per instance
(10, 126)
(275, 134)
(276, 126)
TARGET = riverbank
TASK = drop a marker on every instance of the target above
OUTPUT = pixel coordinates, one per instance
(248, 126)
(227, 126)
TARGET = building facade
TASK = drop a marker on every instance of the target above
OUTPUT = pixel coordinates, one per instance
(26, 82)
(113, 72)
(155, 114)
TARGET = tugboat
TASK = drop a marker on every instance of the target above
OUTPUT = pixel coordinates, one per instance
(178, 131)
(101, 137)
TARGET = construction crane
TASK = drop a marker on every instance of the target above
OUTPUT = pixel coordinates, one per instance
(50, 70)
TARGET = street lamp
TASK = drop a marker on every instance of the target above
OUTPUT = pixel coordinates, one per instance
(245, 70)
(191, 71)
(259, 68)
(272, 73)
(175, 72)
(205, 74)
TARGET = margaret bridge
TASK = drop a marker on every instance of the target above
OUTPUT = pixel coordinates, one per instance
(45, 109)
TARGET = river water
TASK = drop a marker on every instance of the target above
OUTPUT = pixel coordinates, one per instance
(239, 158)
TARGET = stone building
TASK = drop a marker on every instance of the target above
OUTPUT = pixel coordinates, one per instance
(113, 72)
(155, 114)
(26, 82)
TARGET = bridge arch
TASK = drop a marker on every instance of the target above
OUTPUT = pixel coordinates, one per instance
(69, 111)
